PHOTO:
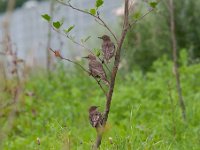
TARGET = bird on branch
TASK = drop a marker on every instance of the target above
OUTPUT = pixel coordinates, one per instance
(96, 69)
(108, 48)
(95, 117)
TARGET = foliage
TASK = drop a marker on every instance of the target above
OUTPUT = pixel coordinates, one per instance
(150, 38)
(188, 31)
(46, 17)
(99, 3)
(57, 24)
(141, 115)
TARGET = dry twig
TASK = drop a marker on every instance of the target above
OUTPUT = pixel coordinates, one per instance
(57, 54)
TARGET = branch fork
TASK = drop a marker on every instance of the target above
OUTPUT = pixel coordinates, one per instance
(113, 73)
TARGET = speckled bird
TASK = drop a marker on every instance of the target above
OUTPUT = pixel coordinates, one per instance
(96, 69)
(95, 117)
(108, 48)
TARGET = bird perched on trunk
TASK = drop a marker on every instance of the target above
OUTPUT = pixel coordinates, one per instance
(96, 69)
(108, 48)
(95, 117)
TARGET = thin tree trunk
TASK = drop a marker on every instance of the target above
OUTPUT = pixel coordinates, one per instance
(174, 48)
(98, 141)
(50, 36)
(114, 71)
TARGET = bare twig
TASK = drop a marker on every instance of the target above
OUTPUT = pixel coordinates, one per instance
(174, 48)
(144, 15)
(61, 57)
(68, 4)
(100, 86)
(79, 44)
(98, 22)
(71, 39)
(79, 65)
(105, 66)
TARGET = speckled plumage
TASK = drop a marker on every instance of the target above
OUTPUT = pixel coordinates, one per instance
(108, 48)
(96, 69)
(95, 117)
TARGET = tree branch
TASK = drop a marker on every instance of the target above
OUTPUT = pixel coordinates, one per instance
(57, 54)
(143, 16)
(61, 57)
(117, 61)
(174, 52)
(114, 71)
(79, 44)
(88, 13)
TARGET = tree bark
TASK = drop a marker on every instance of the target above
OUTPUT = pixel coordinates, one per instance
(174, 52)
(114, 70)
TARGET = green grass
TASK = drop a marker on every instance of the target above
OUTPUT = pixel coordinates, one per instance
(141, 115)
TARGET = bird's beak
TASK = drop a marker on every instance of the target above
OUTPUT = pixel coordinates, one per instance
(85, 57)
(100, 37)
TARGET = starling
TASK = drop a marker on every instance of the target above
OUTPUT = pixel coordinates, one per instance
(96, 119)
(108, 48)
(96, 69)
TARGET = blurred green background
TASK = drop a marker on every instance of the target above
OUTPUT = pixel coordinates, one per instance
(51, 108)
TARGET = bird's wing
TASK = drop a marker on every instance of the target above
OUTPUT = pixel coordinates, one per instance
(105, 47)
(109, 50)
(111, 47)
(95, 118)
(97, 68)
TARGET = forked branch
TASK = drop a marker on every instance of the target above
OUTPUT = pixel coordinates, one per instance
(79, 44)
(143, 16)
(114, 72)
(97, 17)
(119, 43)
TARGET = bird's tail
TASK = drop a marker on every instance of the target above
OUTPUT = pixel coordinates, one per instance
(106, 81)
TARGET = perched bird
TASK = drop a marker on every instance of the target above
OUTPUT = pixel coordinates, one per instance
(96, 69)
(95, 117)
(108, 48)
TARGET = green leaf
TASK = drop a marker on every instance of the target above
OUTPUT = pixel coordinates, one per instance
(93, 11)
(57, 24)
(69, 29)
(97, 52)
(99, 3)
(153, 4)
(136, 15)
(46, 17)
